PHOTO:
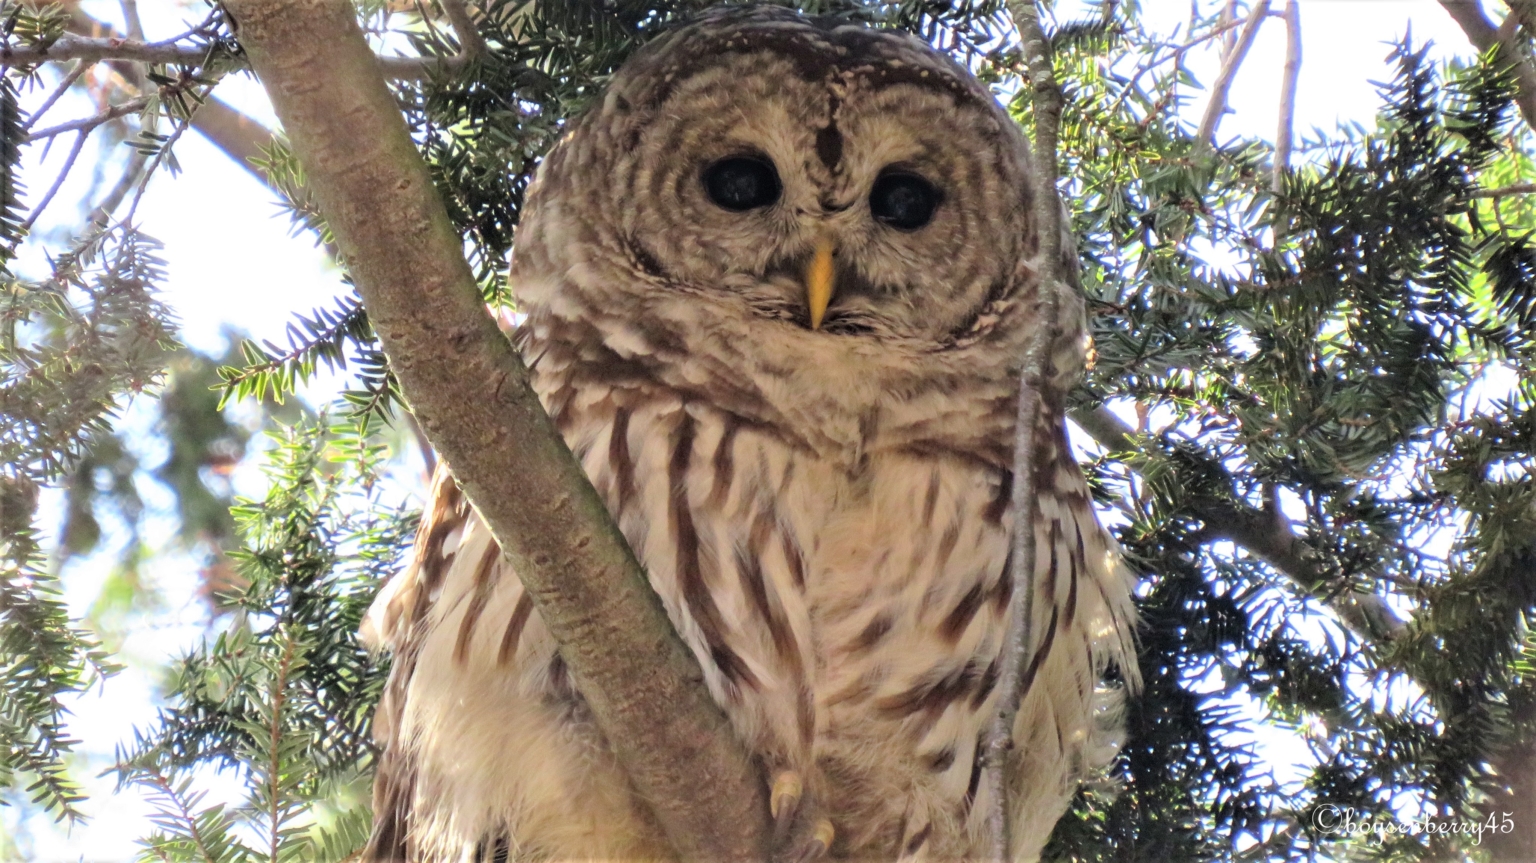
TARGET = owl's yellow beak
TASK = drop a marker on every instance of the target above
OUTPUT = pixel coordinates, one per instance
(819, 279)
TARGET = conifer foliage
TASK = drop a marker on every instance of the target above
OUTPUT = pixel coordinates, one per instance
(1312, 420)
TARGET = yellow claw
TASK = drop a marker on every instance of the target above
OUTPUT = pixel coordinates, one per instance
(819, 278)
(821, 839)
(787, 788)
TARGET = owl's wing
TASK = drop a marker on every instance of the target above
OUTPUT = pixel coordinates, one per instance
(398, 621)
(1069, 723)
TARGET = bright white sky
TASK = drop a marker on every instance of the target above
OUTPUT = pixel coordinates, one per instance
(233, 265)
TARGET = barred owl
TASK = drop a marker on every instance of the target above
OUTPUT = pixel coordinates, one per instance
(777, 284)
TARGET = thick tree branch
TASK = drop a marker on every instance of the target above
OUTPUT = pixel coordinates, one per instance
(1205, 135)
(471, 393)
(1256, 531)
(1483, 35)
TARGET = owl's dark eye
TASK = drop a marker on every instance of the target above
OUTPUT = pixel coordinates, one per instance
(741, 183)
(903, 201)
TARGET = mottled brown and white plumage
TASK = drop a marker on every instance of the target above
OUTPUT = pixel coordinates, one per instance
(824, 511)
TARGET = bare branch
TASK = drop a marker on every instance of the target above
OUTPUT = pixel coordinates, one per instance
(69, 162)
(1469, 15)
(1260, 533)
(64, 84)
(94, 50)
(471, 392)
(88, 124)
(1286, 132)
(1229, 65)
(1505, 191)
(471, 43)
(1047, 102)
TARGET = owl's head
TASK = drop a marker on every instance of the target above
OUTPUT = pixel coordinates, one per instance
(789, 191)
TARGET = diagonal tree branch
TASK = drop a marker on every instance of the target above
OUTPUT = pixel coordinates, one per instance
(471, 393)
(1205, 135)
(1257, 531)
(1469, 15)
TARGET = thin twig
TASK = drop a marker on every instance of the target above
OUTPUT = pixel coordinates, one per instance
(69, 162)
(1225, 23)
(1504, 191)
(1286, 131)
(88, 124)
(1178, 51)
(64, 84)
(1229, 66)
(113, 199)
(1047, 97)
(160, 154)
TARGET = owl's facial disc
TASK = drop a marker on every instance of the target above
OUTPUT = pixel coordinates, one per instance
(728, 164)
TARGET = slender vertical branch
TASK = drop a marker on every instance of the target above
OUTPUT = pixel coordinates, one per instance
(1048, 101)
(1229, 65)
(1286, 132)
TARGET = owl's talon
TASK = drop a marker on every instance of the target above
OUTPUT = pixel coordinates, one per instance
(784, 799)
(821, 840)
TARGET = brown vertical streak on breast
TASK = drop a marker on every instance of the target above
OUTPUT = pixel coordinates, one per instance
(1000, 500)
(560, 408)
(483, 587)
(724, 463)
(794, 557)
(514, 630)
(931, 500)
(975, 780)
(1075, 560)
(960, 616)
(690, 574)
(620, 460)
(1039, 657)
(918, 839)
(985, 685)
(749, 563)
(947, 544)
(1003, 590)
(871, 635)
(932, 693)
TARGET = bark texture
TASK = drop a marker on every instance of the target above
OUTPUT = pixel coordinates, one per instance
(470, 391)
